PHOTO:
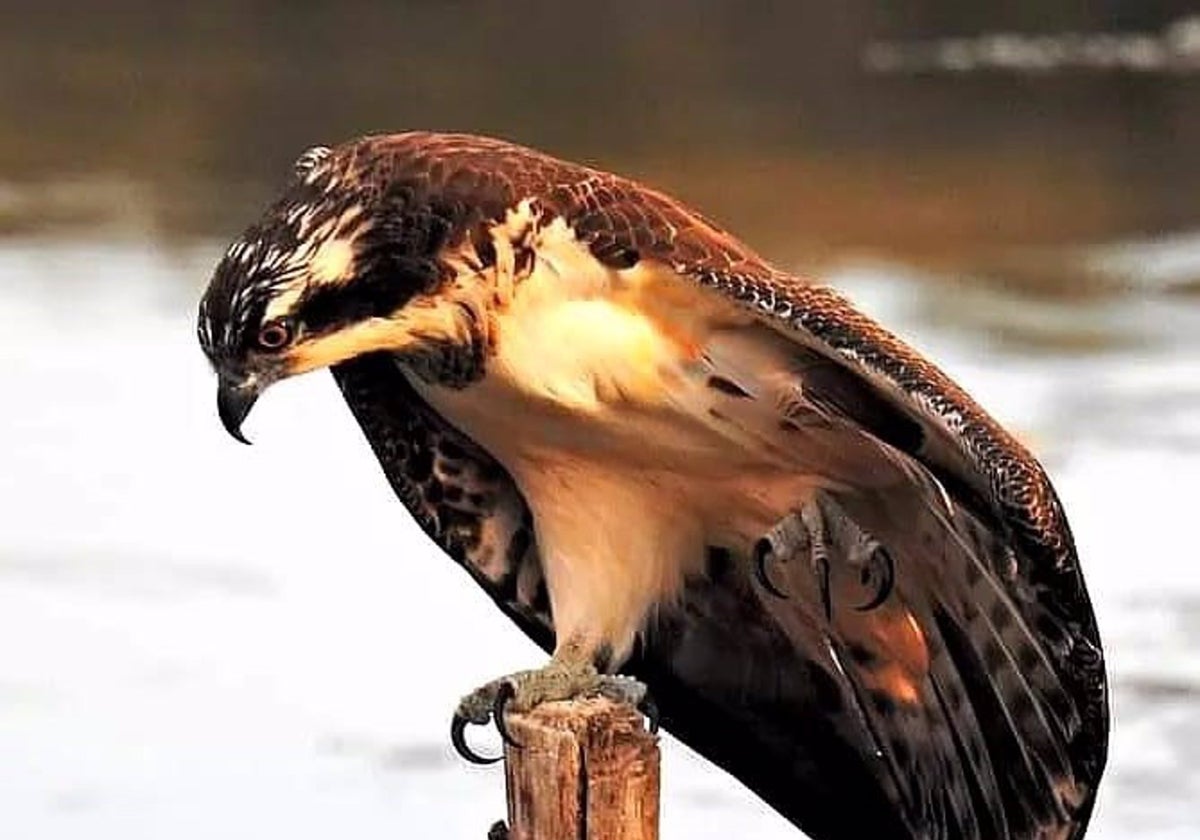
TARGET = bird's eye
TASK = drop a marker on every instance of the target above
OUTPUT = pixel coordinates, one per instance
(274, 335)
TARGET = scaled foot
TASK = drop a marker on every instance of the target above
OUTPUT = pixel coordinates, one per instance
(524, 690)
(834, 544)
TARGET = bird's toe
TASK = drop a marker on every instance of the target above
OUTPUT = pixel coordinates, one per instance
(526, 690)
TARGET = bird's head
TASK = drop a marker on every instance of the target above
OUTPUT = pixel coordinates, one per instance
(326, 274)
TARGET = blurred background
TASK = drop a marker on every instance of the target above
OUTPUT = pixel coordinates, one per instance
(198, 639)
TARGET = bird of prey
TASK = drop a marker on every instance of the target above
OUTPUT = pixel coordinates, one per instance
(678, 467)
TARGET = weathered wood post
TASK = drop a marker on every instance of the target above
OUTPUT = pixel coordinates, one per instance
(586, 770)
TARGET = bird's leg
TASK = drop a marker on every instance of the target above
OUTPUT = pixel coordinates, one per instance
(813, 515)
(787, 539)
(571, 673)
(797, 534)
(823, 530)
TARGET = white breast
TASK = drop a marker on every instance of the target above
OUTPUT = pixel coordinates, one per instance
(594, 400)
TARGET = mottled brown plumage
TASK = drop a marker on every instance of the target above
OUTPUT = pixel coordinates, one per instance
(966, 698)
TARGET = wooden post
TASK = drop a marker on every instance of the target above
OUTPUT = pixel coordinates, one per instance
(586, 770)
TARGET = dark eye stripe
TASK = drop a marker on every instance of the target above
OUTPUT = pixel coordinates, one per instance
(376, 294)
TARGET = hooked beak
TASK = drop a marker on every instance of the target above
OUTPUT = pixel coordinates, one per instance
(234, 401)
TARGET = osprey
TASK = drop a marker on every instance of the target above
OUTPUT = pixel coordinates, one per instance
(677, 467)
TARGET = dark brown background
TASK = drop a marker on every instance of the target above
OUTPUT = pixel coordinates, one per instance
(183, 116)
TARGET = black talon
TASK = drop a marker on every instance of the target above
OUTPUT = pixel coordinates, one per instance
(503, 694)
(458, 728)
(881, 557)
(762, 550)
(823, 583)
(650, 709)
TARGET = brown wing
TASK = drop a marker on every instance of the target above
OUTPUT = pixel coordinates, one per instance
(458, 494)
(791, 723)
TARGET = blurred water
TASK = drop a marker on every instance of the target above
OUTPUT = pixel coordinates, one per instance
(1174, 49)
(199, 639)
